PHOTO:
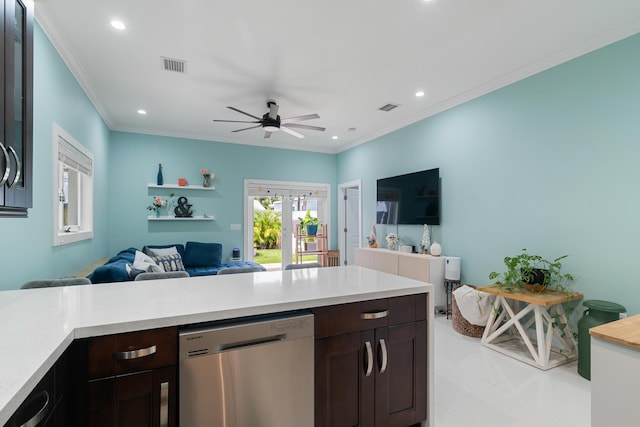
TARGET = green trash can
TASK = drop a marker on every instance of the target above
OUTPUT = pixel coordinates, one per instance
(597, 313)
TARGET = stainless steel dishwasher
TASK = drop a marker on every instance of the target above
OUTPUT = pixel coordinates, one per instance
(252, 374)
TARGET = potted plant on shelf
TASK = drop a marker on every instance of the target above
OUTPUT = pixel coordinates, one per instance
(532, 272)
(310, 225)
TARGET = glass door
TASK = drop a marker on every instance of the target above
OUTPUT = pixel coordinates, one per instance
(274, 213)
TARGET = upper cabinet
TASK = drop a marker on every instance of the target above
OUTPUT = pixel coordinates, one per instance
(16, 99)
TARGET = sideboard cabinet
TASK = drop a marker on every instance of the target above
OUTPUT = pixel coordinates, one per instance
(16, 93)
(426, 268)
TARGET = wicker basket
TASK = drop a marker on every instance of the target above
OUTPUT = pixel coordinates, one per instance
(460, 324)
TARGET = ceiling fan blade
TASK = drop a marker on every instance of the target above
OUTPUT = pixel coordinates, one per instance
(235, 121)
(242, 112)
(297, 126)
(252, 127)
(267, 134)
(300, 118)
(273, 110)
(291, 132)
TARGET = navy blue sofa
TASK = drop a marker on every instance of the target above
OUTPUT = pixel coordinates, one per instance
(199, 259)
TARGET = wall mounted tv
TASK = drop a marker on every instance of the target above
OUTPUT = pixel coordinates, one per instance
(413, 198)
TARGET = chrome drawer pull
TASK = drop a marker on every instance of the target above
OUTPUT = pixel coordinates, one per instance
(35, 420)
(164, 404)
(7, 168)
(367, 346)
(18, 167)
(134, 354)
(383, 347)
(375, 315)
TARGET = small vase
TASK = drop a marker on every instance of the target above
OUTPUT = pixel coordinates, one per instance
(157, 213)
(435, 249)
(160, 180)
(206, 181)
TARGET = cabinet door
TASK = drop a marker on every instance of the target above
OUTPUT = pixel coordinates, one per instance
(143, 399)
(401, 366)
(344, 389)
(18, 106)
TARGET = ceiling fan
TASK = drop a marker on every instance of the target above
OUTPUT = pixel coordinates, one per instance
(271, 121)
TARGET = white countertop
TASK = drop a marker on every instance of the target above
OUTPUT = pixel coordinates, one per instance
(37, 325)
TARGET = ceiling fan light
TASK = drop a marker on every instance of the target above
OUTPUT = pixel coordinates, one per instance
(271, 128)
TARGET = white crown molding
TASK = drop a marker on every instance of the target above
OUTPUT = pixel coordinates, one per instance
(630, 28)
(74, 66)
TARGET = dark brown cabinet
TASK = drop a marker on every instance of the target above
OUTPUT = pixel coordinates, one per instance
(16, 117)
(127, 380)
(46, 405)
(371, 363)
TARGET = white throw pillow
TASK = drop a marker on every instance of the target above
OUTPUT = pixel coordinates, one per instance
(144, 262)
(163, 251)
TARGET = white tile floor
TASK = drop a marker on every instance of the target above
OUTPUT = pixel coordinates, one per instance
(479, 387)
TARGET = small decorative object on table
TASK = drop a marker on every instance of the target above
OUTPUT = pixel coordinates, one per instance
(183, 210)
(206, 177)
(435, 249)
(156, 204)
(426, 240)
(182, 182)
(392, 241)
(371, 238)
(160, 179)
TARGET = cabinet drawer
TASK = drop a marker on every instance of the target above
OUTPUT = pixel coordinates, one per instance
(359, 316)
(131, 352)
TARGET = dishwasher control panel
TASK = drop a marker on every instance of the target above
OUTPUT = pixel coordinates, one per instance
(214, 339)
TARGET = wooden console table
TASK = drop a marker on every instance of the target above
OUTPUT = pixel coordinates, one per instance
(516, 312)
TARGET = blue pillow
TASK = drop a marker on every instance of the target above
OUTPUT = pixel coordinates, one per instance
(198, 254)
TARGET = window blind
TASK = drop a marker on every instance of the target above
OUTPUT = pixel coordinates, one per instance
(74, 158)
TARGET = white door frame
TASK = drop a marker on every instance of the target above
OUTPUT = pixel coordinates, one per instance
(261, 187)
(342, 212)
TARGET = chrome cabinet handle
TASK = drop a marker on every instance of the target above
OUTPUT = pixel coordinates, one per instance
(383, 347)
(18, 167)
(367, 346)
(35, 420)
(7, 167)
(374, 315)
(164, 404)
(134, 354)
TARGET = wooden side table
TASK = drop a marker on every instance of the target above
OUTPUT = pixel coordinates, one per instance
(516, 312)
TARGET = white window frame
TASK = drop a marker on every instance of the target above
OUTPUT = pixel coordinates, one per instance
(84, 230)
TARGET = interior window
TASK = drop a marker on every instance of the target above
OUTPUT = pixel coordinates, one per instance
(73, 190)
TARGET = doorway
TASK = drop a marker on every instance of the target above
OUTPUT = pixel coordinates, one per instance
(349, 220)
(286, 203)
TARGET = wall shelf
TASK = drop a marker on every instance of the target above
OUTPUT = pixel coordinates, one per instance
(173, 218)
(178, 187)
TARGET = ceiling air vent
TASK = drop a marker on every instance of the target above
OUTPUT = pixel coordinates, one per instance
(170, 64)
(388, 107)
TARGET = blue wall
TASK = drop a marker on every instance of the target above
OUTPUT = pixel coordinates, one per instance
(137, 157)
(549, 163)
(27, 252)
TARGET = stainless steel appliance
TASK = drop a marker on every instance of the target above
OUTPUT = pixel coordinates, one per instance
(255, 374)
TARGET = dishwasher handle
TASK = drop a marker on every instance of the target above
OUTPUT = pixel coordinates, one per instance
(251, 343)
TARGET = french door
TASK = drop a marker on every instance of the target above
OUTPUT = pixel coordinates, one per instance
(289, 200)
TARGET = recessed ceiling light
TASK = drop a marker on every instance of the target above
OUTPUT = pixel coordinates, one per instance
(334, 137)
(118, 25)
(142, 112)
(419, 93)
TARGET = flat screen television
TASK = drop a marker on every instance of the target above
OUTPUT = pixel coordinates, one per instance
(413, 198)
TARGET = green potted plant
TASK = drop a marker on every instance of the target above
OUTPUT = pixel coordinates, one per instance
(532, 272)
(311, 224)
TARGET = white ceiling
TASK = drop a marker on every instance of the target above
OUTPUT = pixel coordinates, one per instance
(341, 59)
